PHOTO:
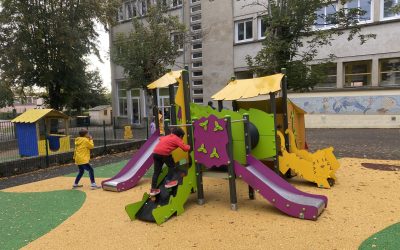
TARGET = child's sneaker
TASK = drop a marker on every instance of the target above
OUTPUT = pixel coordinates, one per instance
(94, 186)
(154, 192)
(171, 184)
(76, 186)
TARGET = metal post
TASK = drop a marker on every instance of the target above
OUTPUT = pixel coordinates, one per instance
(114, 129)
(231, 170)
(220, 105)
(104, 136)
(284, 108)
(273, 109)
(155, 108)
(186, 91)
(46, 144)
(199, 177)
(247, 142)
(166, 127)
(147, 127)
(172, 112)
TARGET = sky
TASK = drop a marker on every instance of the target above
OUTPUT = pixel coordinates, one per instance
(104, 68)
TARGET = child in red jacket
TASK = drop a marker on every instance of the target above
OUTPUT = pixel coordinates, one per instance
(162, 154)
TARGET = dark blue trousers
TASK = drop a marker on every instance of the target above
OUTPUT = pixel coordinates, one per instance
(82, 169)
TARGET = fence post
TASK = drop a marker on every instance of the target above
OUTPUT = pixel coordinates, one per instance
(114, 130)
(104, 135)
(46, 145)
(147, 127)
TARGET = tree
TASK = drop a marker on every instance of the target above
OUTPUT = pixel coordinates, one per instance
(293, 37)
(147, 51)
(44, 43)
(6, 96)
(92, 93)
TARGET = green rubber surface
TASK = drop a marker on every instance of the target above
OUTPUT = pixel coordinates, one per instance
(109, 170)
(24, 217)
(388, 239)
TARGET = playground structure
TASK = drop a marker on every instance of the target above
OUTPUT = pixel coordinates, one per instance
(39, 134)
(238, 139)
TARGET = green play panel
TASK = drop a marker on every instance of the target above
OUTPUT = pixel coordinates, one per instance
(387, 239)
(109, 170)
(24, 217)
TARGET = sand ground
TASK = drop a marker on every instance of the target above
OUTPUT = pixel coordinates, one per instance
(362, 202)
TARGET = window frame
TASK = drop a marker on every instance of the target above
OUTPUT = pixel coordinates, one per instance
(357, 74)
(244, 21)
(201, 53)
(197, 71)
(261, 36)
(383, 72)
(197, 15)
(319, 86)
(200, 62)
(382, 11)
(371, 19)
(193, 7)
(197, 80)
(201, 46)
(198, 89)
(195, 25)
(327, 26)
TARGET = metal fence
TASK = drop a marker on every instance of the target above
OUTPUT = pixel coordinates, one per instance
(104, 138)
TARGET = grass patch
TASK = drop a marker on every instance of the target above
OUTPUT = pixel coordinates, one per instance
(24, 217)
(109, 170)
(388, 239)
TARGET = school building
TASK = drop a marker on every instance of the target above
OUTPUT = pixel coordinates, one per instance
(363, 84)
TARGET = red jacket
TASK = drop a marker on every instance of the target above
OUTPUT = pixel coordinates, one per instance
(168, 144)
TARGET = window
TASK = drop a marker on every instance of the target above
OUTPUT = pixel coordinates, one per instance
(324, 15)
(386, 7)
(143, 4)
(195, 1)
(176, 3)
(195, 8)
(120, 15)
(196, 27)
(243, 75)
(197, 82)
(244, 31)
(130, 9)
(197, 55)
(196, 18)
(262, 27)
(197, 46)
(178, 39)
(105, 112)
(123, 105)
(197, 64)
(389, 72)
(196, 36)
(197, 91)
(364, 5)
(357, 74)
(198, 100)
(197, 73)
(328, 71)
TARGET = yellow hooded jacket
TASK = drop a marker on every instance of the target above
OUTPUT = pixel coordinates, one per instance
(83, 145)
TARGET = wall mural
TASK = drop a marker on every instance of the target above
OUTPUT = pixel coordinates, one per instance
(367, 105)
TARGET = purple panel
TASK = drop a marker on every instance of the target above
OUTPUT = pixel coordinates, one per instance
(213, 135)
(266, 171)
(141, 171)
(287, 206)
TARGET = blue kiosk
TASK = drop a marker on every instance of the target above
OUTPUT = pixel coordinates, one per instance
(35, 126)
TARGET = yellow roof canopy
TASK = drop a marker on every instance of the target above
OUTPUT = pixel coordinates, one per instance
(33, 115)
(247, 88)
(166, 80)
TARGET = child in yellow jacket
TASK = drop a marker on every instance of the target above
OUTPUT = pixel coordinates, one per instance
(83, 145)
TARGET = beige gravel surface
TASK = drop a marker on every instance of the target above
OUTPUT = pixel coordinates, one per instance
(362, 202)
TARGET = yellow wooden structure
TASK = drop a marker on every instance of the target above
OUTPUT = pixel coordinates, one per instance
(128, 134)
(38, 127)
(318, 167)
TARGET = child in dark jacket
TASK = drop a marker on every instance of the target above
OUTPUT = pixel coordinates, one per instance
(162, 154)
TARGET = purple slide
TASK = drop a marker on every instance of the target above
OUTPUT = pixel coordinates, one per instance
(130, 175)
(279, 192)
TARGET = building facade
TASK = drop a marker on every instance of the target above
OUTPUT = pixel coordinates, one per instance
(363, 84)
